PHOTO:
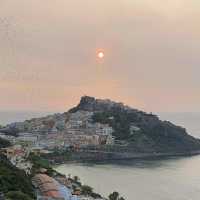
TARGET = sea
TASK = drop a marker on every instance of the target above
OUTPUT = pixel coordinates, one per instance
(175, 178)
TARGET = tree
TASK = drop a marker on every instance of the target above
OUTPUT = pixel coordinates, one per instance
(4, 143)
(76, 179)
(86, 190)
(114, 196)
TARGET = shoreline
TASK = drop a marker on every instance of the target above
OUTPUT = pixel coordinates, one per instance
(129, 158)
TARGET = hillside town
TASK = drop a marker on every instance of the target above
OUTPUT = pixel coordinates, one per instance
(60, 131)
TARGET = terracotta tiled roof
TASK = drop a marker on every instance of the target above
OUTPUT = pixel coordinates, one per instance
(54, 194)
(47, 185)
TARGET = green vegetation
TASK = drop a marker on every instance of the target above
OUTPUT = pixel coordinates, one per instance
(117, 119)
(86, 190)
(14, 183)
(14, 180)
(115, 196)
(17, 195)
(4, 143)
(40, 163)
(154, 135)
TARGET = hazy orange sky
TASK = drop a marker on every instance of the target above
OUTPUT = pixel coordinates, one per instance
(48, 53)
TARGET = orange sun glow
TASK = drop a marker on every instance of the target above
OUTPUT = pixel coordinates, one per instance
(100, 54)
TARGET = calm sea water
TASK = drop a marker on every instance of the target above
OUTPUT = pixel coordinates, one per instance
(172, 179)
(169, 179)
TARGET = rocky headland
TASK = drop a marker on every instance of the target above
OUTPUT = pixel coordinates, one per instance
(107, 129)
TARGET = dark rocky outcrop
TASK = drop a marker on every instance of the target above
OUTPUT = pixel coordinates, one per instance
(88, 103)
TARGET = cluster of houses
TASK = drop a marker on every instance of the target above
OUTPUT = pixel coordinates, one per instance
(17, 155)
(61, 131)
(58, 131)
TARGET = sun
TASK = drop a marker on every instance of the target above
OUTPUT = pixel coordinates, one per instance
(100, 54)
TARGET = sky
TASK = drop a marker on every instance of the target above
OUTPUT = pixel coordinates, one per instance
(48, 53)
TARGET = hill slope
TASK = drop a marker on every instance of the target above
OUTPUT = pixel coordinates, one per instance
(14, 183)
(143, 131)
